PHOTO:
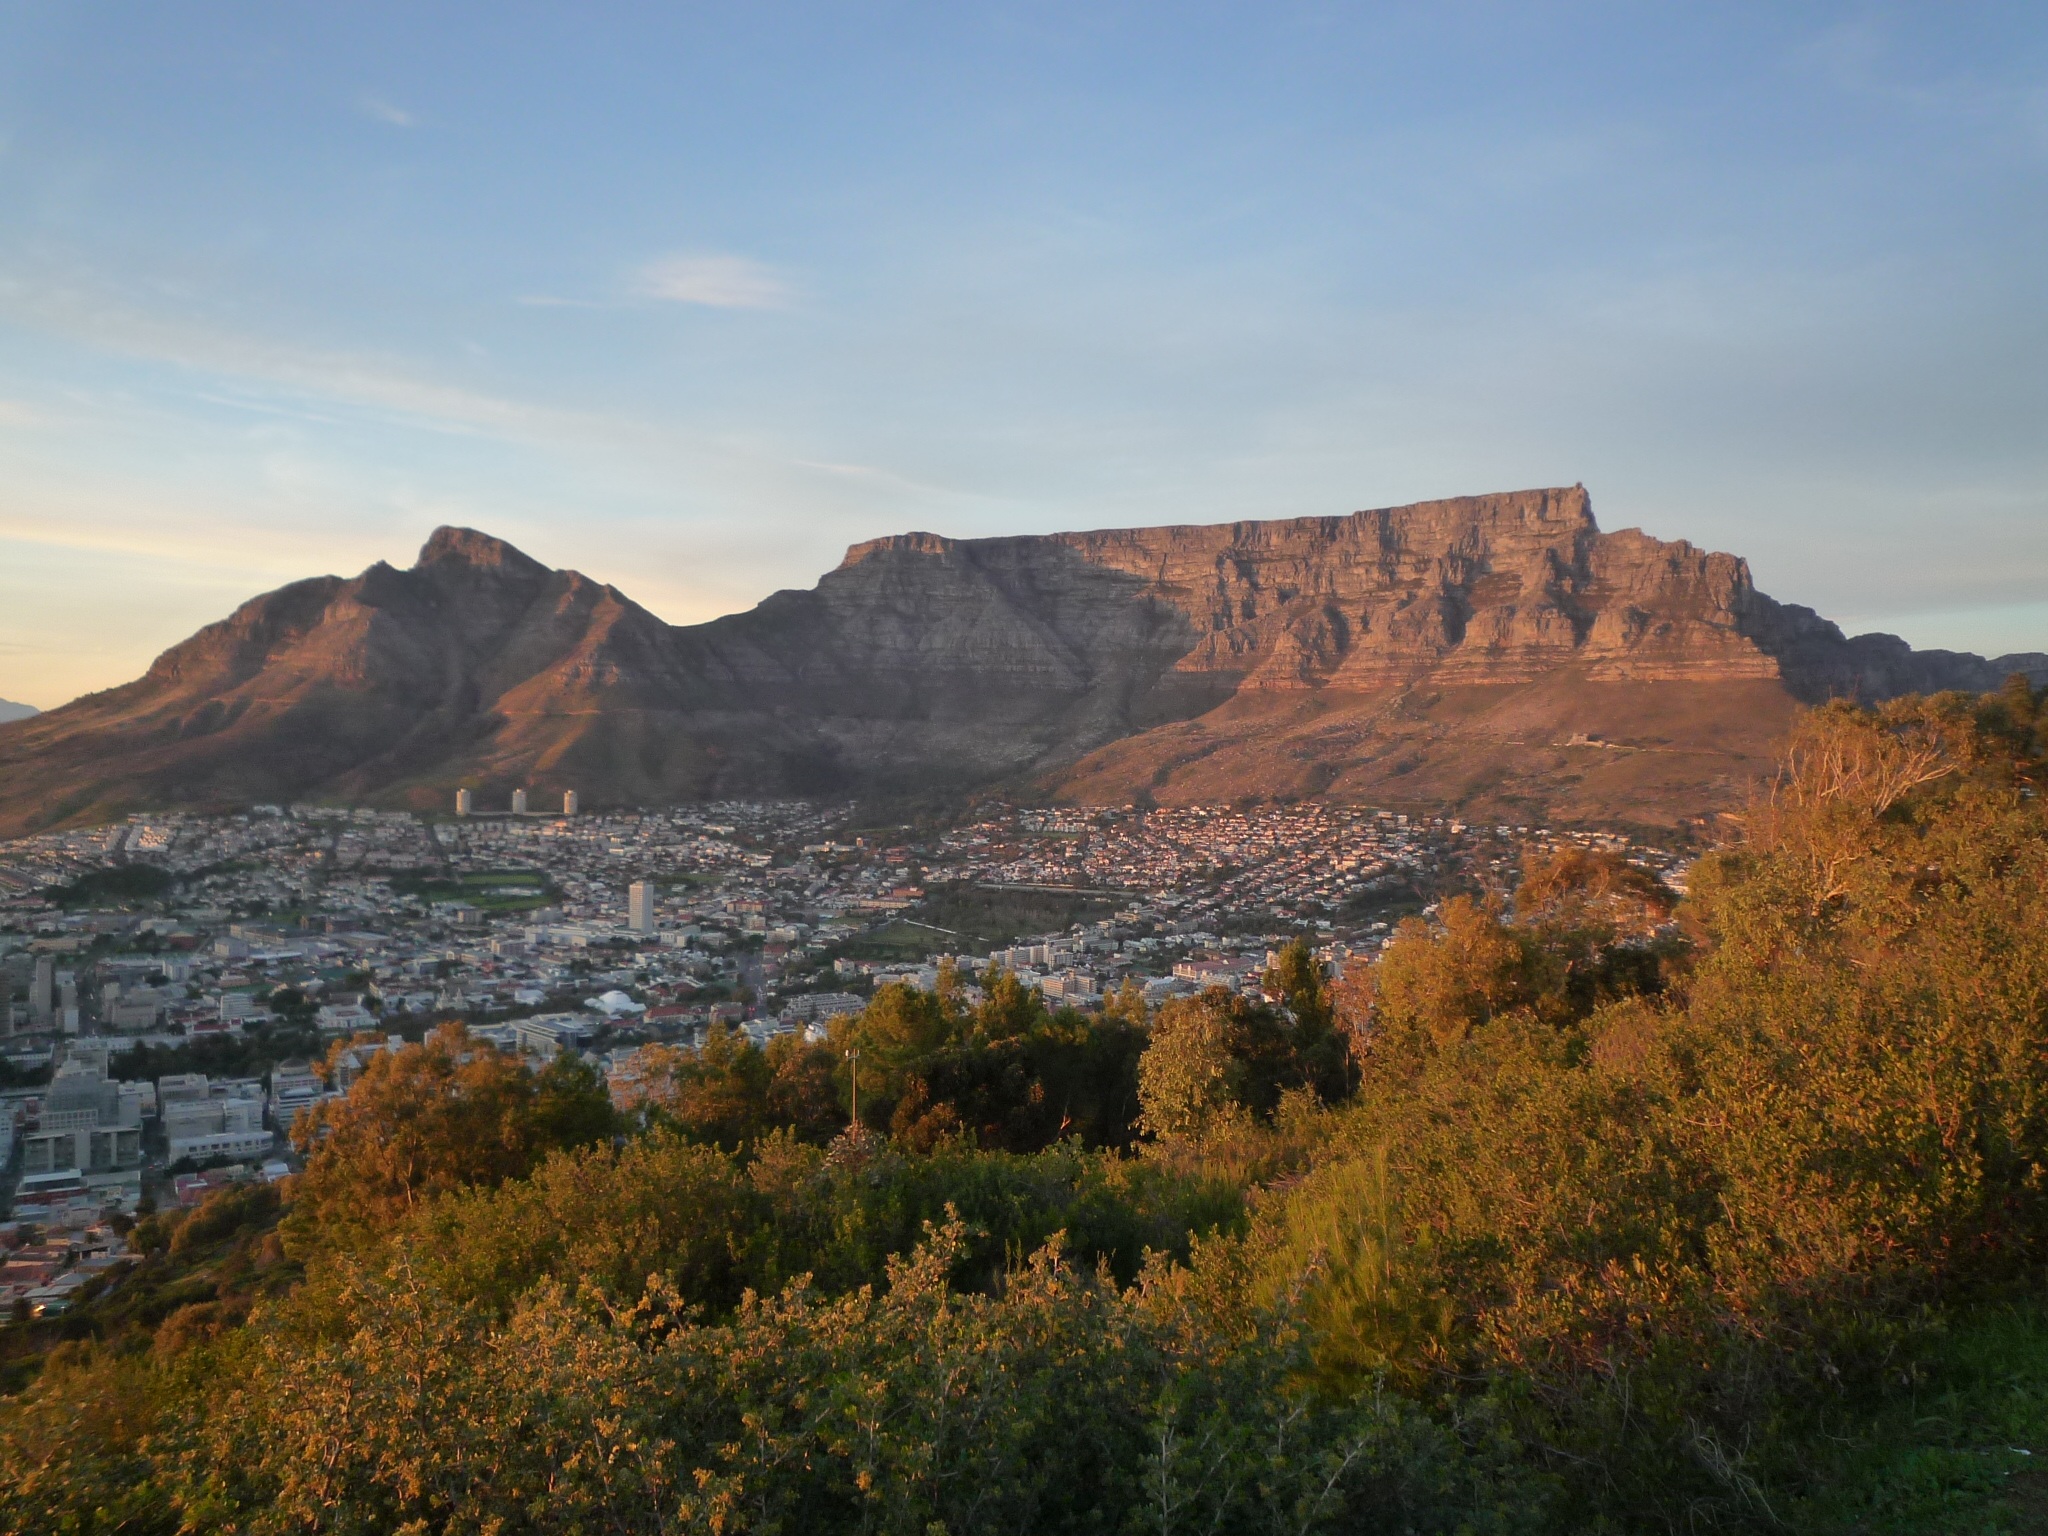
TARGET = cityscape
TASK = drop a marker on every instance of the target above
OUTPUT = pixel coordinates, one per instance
(273, 934)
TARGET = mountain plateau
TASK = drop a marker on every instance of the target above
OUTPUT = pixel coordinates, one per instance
(1496, 655)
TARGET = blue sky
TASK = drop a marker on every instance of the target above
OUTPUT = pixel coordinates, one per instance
(692, 296)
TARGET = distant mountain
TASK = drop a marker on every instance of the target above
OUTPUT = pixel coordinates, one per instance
(1498, 655)
(9, 711)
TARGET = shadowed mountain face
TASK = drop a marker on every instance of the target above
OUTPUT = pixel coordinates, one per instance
(1493, 654)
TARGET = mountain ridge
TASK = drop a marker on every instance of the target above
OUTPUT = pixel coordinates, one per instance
(1445, 653)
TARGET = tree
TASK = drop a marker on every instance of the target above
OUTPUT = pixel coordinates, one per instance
(716, 1094)
(803, 1092)
(1008, 1009)
(1189, 1082)
(1323, 1062)
(1126, 1005)
(1577, 887)
(1434, 982)
(446, 1114)
(1297, 975)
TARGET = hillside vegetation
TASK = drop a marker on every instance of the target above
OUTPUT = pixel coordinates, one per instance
(1582, 1210)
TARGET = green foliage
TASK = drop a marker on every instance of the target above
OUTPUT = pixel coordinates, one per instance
(1678, 1220)
(195, 1274)
(1007, 1074)
(487, 890)
(714, 1225)
(1574, 1212)
(250, 1053)
(432, 1118)
(377, 1403)
(118, 885)
(970, 916)
(1218, 1063)
(1957, 1450)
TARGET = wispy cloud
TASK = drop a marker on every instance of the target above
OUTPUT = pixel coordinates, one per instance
(718, 282)
(384, 112)
(366, 381)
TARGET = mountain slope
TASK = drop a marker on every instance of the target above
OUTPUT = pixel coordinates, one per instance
(1440, 654)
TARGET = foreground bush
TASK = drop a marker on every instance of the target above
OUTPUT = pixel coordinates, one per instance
(375, 1402)
(1615, 1220)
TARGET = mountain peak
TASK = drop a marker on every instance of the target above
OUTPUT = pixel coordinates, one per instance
(467, 546)
(904, 543)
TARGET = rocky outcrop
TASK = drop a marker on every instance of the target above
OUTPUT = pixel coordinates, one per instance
(1494, 589)
(1406, 653)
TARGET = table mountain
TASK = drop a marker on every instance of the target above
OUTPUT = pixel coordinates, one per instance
(1496, 654)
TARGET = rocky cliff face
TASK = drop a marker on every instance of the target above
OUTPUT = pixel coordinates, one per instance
(1483, 589)
(1438, 653)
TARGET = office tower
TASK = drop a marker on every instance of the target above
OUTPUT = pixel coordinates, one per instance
(518, 802)
(640, 907)
(42, 993)
(465, 802)
(569, 802)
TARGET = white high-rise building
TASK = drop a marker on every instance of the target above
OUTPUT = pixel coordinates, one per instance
(569, 802)
(640, 907)
(518, 802)
(465, 802)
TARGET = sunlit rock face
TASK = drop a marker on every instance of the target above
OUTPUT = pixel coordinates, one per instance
(1445, 654)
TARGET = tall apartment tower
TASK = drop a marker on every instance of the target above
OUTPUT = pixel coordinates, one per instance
(518, 802)
(465, 802)
(569, 802)
(640, 907)
(42, 993)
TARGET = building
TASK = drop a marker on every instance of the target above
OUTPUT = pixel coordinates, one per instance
(89, 1149)
(294, 1088)
(569, 802)
(518, 802)
(181, 1088)
(215, 1127)
(640, 907)
(344, 1015)
(42, 993)
(1071, 987)
(548, 1035)
(87, 1123)
(811, 1006)
(135, 1008)
(465, 802)
(239, 1007)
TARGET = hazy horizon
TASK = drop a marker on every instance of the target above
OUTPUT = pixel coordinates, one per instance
(692, 302)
